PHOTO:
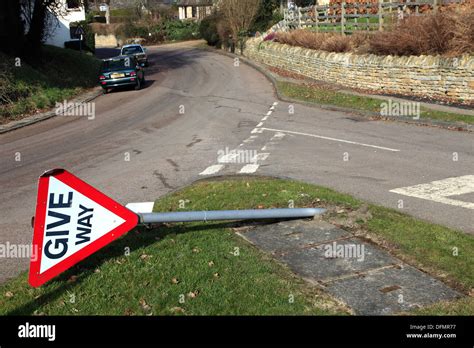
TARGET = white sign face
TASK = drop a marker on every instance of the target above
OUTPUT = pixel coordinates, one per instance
(103, 7)
(73, 220)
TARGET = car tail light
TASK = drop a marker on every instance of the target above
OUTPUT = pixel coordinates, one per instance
(101, 77)
(133, 73)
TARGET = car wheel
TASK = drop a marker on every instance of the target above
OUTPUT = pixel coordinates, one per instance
(138, 86)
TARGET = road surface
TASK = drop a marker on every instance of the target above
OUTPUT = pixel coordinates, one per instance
(143, 144)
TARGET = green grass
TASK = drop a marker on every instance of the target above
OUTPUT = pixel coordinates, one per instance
(463, 306)
(61, 74)
(428, 244)
(198, 262)
(362, 103)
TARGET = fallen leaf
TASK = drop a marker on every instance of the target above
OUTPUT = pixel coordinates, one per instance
(196, 250)
(9, 294)
(145, 256)
(144, 305)
(177, 310)
(193, 294)
(129, 312)
(216, 275)
(248, 185)
(72, 279)
(260, 207)
(97, 270)
(211, 263)
(175, 280)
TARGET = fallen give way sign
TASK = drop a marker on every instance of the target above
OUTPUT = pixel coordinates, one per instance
(73, 220)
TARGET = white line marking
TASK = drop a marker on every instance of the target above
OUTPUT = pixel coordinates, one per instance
(261, 157)
(249, 169)
(278, 136)
(228, 158)
(272, 108)
(260, 124)
(439, 191)
(141, 208)
(265, 118)
(257, 130)
(332, 139)
(275, 103)
(241, 145)
(269, 113)
(264, 148)
(212, 169)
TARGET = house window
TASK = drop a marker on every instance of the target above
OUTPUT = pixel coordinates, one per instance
(194, 13)
(73, 4)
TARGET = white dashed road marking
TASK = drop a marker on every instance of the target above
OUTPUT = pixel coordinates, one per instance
(440, 191)
(332, 139)
(212, 169)
(230, 158)
(249, 169)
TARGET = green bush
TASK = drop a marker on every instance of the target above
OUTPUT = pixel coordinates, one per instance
(171, 30)
(177, 30)
(208, 30)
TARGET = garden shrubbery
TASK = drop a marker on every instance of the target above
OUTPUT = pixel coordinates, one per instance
(160, 31)
(448, 33)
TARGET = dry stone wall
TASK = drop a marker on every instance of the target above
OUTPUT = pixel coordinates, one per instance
(424, 76)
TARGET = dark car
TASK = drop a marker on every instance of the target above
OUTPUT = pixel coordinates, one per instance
(135, 50)
(121, 71)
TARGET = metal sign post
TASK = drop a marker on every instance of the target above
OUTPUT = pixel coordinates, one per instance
(194, 216)
(74, 220)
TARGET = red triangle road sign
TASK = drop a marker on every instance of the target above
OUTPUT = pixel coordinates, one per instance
(73, 220)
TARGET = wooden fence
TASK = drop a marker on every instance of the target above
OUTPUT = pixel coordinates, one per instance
(365, 15)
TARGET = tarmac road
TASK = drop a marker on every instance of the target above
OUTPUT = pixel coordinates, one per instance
(143, 144)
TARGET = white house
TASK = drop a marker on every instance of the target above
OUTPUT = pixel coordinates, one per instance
(59, 29)
(194, 9)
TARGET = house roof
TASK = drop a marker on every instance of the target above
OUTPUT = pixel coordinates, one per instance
(195, 2)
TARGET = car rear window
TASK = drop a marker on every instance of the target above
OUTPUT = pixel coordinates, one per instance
(132, 50)
(117, 64)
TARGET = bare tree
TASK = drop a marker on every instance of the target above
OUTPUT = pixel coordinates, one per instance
(239, 16)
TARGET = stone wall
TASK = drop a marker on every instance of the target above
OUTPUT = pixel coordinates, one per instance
(424, 76)
(102, 41)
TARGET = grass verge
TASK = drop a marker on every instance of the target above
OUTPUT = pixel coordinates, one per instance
(317, 95)
(206, 269)
(61, 74)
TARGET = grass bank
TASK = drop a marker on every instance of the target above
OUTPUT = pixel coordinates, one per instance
(27, 88)
(325, 96)
(206, 269)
